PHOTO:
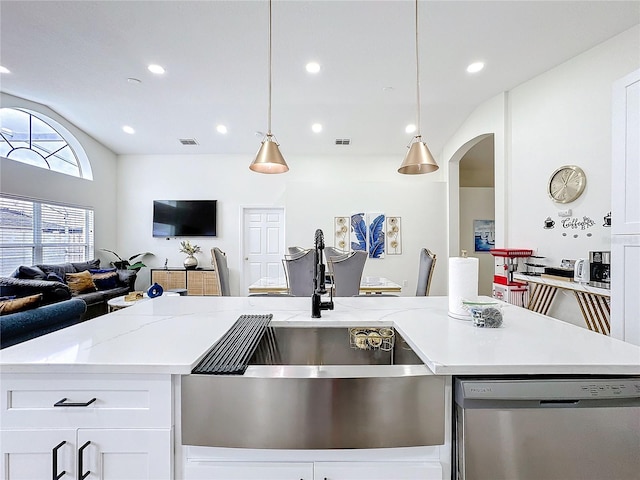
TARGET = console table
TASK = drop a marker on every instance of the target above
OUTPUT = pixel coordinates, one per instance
(197, 282)
(594, 302)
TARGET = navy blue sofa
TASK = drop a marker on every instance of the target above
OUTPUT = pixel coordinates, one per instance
(48, 280)
(22, 326)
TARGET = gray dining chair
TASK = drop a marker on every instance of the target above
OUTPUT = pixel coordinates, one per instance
(330, 252)
(294, 250)
(219, 262)
(298, 270)
(347, 273)
(425, 272)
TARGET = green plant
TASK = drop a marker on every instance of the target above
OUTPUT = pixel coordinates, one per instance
(123, 264)
(186, 247)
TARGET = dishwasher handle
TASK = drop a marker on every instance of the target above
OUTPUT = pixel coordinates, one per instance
(558, 403)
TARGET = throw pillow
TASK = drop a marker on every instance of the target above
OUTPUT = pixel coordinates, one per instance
(80, 282)
(105, 280)
(82, 266)
(54, 277)
(29, 273)
(102, 270)
(20, 304)
(60, 269)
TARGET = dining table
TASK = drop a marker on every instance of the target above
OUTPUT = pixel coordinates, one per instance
(368, 286)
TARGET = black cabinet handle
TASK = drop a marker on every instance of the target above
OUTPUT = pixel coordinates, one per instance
(54, 453)
(82, 476)
(63, 403)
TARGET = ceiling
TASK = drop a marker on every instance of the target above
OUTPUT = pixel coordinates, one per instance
(76, 56)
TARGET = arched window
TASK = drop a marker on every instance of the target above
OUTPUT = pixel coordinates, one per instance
(32, 138)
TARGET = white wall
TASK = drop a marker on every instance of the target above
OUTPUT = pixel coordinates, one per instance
(564, 118)
(37, 183)
(313, 192)
(476, 203)
(558, 118)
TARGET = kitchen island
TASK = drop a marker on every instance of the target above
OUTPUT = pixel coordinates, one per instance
(132, 361)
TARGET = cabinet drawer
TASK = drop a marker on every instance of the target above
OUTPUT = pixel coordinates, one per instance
(169, 279)
(131, 401)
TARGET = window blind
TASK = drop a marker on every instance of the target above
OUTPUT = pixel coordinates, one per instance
(33, 232)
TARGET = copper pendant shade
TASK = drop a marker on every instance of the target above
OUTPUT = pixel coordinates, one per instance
(419, 159)
(269, 159)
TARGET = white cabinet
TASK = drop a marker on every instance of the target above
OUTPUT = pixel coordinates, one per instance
(216, 470)
(37, 454)
(377, 471)
(101, 454)
(201, 469)
(625, 214)
(117, 427)
(126, 454)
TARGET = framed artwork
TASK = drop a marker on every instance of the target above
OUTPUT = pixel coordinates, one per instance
(367, 233)
(341, 233)
(394, 236)
(484, 235)
(358, 232)
(377, 232)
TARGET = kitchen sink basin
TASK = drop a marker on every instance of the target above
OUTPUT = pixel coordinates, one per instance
(318, 388)
(333, 346)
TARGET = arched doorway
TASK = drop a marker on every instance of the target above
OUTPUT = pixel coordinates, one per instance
(472, 199)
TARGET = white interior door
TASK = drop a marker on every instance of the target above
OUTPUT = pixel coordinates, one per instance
(263, 245)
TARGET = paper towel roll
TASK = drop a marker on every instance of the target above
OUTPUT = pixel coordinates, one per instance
(463, 285)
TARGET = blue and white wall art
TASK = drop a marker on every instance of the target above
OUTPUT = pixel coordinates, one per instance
(484, 233)
(367, 233)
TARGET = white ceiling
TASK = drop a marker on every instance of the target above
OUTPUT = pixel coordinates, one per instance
(76, 56)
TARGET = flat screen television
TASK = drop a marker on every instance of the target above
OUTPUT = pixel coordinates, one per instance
(184, 218)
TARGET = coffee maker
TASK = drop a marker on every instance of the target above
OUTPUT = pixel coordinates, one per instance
(600, 269)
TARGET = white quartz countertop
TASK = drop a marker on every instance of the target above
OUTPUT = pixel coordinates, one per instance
(170, 334)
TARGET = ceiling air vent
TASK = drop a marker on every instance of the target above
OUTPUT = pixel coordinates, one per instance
(343, 141)
(188, 141)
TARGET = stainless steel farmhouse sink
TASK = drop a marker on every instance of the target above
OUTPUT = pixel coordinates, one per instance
(318, 388)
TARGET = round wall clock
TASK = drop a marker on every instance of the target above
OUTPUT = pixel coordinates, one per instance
(567, 184)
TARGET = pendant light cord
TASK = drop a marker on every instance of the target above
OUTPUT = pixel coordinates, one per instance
(269, 119)
(417, 72)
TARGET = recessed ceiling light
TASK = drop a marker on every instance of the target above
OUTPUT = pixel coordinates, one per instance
(410, 128)
(316, 127)
(4, 69)
(221, 129)
(313, 67)
(475, 67)
(128, 129)
(156, 69)
(387, 89)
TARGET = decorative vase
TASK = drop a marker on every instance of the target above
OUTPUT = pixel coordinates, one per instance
(190, 262)
(154, 291)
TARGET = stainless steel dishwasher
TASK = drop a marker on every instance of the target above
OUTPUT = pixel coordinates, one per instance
(536, 428)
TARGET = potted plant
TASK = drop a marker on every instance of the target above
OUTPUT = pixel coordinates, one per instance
(123, 264)
(190, 262)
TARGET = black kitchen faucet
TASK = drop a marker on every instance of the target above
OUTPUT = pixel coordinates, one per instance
(317, 305)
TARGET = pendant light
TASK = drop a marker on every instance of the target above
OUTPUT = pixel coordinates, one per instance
(419, 158)
(269, 159)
